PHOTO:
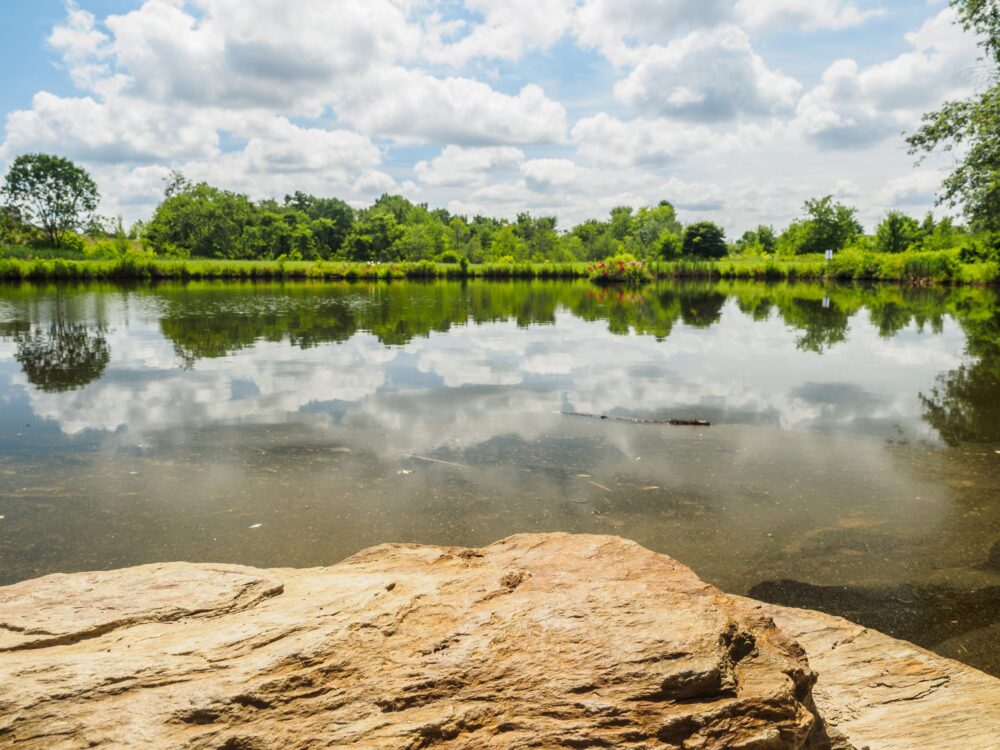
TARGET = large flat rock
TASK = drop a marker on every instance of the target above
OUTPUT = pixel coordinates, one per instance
(536, 641)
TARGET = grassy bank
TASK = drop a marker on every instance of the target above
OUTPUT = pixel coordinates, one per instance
(908, 268)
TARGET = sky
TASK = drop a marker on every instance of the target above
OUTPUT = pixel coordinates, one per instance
(733, 110)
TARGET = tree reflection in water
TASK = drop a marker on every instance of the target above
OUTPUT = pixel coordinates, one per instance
(63, 356)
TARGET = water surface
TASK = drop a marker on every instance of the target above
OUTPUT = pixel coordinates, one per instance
(853, 464)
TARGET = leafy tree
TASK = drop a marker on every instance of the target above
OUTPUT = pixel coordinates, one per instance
(332, 220)
(204, 221)
(759, 241)
(828, 226)
(705, 240)
(506, 243)
(538, 235)
(51, 192)
(971, 127)
(896, 233)
(13, 230)
(421, 242)
(650, 224)
(621, 222)
(669, 246)
(373, 237)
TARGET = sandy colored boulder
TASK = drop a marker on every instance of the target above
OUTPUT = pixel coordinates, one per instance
(537, 641)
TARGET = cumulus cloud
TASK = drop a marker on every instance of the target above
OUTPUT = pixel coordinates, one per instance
(467, 167)
(503, 31)
(917, 189)
(854, 106)
(805, 14)
(707, 76)
(606, 140)
(415, 106)
(110, 131)
(269, 96)
(619, 27)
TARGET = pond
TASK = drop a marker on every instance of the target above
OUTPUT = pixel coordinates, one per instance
(852, 464)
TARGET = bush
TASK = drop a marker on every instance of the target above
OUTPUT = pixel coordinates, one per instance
(622, 269)
(448, 256)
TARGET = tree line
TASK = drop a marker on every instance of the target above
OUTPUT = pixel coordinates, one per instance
(48, 200)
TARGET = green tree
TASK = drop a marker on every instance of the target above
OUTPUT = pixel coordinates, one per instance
(374, 237)
(705, 240)
(760, 241)
(828, 226)
(420, 241)
(332, 220)
(670, 246)
(650, 225)
(896, 233)
(971, 128)
(204, 221)
(51, 192)
(621, 222)
(506, 243)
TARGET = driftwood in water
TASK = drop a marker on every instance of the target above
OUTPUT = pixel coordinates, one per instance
(674, 422)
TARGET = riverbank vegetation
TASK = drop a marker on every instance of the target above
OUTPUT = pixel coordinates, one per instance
(921, 268)
(200, 231)
(48, 226)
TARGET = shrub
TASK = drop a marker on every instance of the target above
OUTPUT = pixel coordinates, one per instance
(622, 269)
(448, 256)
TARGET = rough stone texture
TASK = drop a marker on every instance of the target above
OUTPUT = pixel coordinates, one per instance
(886, 694)
(536, 641)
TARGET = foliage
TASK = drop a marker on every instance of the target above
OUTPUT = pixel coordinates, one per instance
(50, 192)
(828, 226)
(896, 232)
(760, 241)
(971, 128)
(704, 240)
(622, 269)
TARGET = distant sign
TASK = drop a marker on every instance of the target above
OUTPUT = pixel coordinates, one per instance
(829, 254)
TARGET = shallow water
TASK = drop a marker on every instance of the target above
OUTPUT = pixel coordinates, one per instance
(853, 463)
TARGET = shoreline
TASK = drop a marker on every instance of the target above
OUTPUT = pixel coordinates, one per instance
(908, 269)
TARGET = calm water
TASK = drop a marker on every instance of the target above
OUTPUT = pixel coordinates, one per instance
(853, 464)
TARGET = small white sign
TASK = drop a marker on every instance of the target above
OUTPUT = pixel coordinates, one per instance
(829, 254)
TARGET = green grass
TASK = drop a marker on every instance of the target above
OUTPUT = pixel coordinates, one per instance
(908, 268)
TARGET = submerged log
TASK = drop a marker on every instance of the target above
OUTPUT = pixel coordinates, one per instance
(637, 420)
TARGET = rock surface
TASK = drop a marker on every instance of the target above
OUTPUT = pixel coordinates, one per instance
(536, 641)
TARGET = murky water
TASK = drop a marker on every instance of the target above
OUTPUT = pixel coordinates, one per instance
(853, 463)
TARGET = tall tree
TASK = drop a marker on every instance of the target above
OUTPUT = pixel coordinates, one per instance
(896, 232)
(705, 240)
(972, 125)
(828, 226)
(51, 192)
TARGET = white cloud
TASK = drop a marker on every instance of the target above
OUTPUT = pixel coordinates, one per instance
(548, 174)
(120, 130)
(506, 31)
(467, 167)
(607, 140)
(805, 14)
(619, 27)
(916, 189)
(707, 76)
(854, 107)
(412, 105)
(269, 96)
(82, 46)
